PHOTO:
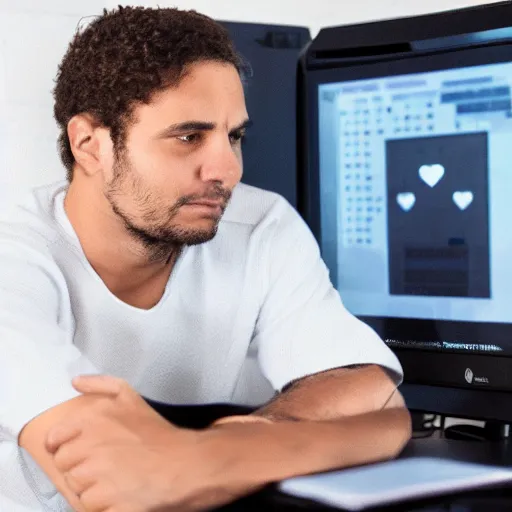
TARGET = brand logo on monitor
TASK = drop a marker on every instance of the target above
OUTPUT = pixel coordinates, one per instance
(472, 379)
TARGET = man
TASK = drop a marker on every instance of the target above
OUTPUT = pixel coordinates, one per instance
(137, 268)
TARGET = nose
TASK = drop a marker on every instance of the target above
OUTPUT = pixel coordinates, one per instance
(222, 163)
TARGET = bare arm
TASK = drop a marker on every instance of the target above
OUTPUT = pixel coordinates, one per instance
(334, 394)
(164, 466)
(332, 419)
(329, 395)
(263, 453)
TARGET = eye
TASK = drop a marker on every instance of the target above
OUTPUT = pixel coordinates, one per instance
(190, 138)
(237, 136)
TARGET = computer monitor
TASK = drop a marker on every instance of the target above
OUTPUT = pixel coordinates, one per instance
(407, 185)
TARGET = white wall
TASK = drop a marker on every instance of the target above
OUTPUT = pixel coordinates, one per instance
(314, 14)
(34, 36)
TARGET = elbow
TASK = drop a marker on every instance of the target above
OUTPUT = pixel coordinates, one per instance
(400, 430)
(400, 423)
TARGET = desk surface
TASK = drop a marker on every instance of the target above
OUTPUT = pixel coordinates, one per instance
(490, 500)
(486, 500)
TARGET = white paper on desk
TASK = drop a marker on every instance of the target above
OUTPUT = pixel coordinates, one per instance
(393, 481)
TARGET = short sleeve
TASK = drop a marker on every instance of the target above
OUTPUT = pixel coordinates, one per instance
(38, 358)
(37, 362)
(303, 327)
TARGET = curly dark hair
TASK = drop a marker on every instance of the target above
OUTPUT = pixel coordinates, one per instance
(125, 56)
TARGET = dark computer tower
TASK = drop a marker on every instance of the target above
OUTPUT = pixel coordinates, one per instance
(270, 148)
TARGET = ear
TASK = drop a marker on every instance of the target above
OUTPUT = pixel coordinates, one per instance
(87, 137)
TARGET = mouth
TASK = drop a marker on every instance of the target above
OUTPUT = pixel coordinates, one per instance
(207, 202)
(207, 206)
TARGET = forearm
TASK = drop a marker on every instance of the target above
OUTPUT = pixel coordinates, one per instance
(333, 394)
(259, 453)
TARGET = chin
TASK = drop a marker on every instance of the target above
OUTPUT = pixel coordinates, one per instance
(198, 237)
(192, 235)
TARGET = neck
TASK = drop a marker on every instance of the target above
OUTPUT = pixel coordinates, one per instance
(123, 262)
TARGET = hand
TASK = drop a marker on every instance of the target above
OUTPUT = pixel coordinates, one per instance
(124, 457)
(241, 419)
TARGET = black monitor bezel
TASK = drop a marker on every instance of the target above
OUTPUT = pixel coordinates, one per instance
(423, 389)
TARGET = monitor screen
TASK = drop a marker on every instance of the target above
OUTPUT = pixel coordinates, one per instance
(414, 184)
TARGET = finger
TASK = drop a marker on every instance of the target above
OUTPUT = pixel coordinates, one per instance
(62, 433)
(113, 387)
(70, 455)
(97, 498)
(81, 477)
(241, 419)
(101, 384)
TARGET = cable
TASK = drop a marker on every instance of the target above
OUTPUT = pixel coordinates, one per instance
(428, 426)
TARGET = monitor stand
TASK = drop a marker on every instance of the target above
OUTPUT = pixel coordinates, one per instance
(492, 431)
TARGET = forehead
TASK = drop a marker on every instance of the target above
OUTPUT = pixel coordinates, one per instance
(209, 91)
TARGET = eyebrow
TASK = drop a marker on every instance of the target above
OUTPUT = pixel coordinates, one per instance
(197, 126)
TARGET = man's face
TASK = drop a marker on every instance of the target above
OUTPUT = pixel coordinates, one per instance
(181, 159)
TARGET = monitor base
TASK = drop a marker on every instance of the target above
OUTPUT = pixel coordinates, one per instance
(492, 431)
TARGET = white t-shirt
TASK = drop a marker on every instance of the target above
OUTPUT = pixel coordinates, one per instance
(241, 316)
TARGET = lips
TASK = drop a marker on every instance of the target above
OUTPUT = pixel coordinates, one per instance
(209, 203)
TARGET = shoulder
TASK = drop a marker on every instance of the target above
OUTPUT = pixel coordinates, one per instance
(260, 208)
(30, 272)
(270, 228)
(27, 220)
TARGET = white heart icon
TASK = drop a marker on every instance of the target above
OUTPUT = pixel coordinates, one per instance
(462, 198)
(431, 174)
(406, 200)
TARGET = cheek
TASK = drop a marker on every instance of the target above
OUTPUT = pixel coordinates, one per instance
(153, 166)
(167, 174)
(240, 159)
(106, 157)
(169, 179)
